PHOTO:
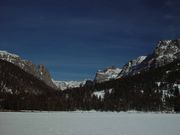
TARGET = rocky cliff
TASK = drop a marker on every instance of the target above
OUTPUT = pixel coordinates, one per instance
(38, 71)
(107, 74)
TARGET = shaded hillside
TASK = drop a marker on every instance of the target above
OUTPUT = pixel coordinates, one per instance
(21, 90)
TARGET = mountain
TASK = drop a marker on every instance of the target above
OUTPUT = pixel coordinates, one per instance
(20, 90)
(14, 80)
(107, 74)
(38, 71)
(63, 85)
(155, 89)
(165, 52)
(131, 66)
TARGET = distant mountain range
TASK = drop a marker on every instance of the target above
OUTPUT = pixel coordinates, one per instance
(63, 85)
(20, 78)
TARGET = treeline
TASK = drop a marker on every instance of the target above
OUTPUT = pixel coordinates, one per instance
(152, 90)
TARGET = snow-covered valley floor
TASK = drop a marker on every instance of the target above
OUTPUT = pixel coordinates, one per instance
(88, 123)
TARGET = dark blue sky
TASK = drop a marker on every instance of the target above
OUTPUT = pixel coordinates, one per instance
(74, 38)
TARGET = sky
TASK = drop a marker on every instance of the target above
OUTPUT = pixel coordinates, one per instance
(75, 38)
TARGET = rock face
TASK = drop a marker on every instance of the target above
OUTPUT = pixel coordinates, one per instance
(107, 74)
(131, 66)
(166, 52)
(115, 73)
(63, 85)
(45, 75)
(38, 71)
(14, 81)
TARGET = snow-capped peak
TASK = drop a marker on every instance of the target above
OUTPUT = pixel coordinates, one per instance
(131, 66)
(12, 58)
(5, 53)
(166, 51)
(63, 85)
(107, 74)
(139, 59)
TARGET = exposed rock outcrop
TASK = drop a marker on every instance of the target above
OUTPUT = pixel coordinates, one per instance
(38, 71)
(107, 74)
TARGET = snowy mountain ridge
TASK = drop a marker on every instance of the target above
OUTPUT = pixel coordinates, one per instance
(165, 52)
(131, 66)
(63, 85)
(115, 73)
(2, 52)
(39, 71)
(107, 74)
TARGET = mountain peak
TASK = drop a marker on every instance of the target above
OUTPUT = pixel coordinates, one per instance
(131, 66)
(166, 51)
(107, 74)
(63, 85)
(5, 53)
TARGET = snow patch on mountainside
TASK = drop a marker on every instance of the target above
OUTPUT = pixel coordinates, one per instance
(100, 94)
